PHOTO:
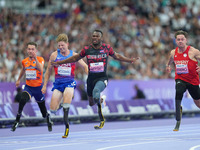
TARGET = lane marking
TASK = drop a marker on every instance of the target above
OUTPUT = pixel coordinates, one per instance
(194, 147)
(117, 146)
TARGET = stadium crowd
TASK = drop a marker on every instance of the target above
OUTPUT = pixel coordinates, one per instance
(143, 28)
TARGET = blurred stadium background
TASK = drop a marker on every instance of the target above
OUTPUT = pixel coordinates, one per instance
(143, 28)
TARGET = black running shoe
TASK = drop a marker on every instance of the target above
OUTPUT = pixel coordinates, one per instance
(66, 132)
(15, 125)
(49, 123)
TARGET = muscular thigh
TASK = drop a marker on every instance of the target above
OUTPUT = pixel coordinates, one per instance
(55, 99)
(68, 95)
(194, 91)
(91, 81)
(90, 87)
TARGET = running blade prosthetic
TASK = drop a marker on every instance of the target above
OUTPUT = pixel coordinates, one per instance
(178, 122)
(100, 126)
(66, 132)
(49, 123)
(15, 125)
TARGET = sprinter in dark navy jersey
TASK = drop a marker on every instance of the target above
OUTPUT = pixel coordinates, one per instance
(97, 58)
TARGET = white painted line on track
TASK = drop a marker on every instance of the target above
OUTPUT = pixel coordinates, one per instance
(117, 146)
(195, 147)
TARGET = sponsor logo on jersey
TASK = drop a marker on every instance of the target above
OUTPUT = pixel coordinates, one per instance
(96, 56)
(181, 61)
(101, 51)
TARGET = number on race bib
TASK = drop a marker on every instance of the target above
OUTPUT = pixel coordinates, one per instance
(97, 67)
(31, 74)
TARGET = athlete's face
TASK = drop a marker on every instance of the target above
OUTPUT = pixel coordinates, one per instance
(31, 50)
(63, 46)
(181, 41)
(96, 38)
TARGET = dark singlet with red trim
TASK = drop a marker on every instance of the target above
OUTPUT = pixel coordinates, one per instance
(97, 58)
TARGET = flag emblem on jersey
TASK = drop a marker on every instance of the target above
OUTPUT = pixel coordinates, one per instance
(101, 51)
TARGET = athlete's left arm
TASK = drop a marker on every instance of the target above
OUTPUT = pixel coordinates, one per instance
(197, 57)
(120, 57)
(197, 54)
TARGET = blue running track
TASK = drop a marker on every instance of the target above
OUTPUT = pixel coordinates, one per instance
(156, 134)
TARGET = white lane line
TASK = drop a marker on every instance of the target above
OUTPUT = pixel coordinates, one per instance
(194, 147)
(117, 146)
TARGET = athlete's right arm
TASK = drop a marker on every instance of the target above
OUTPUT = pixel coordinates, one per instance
(170, 61)
(71, 59)
(22, 72)
(48, 71)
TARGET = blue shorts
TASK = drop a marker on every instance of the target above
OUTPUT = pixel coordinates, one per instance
(35, 92)
(61, 86)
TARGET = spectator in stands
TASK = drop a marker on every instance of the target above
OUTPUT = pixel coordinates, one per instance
(139, 93)
(139, 25)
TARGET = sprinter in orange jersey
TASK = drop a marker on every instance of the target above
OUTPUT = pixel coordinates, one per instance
(32, 67)
(33, 75)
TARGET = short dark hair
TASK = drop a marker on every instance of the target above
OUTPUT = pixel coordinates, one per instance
(97, 30)
(181, 32)
(32, 43)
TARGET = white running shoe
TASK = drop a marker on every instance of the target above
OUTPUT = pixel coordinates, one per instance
(103, 101)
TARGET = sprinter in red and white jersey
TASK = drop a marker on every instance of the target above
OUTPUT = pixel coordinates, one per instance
(185, 59)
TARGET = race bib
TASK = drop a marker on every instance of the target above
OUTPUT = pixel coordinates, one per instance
(97, 67)
(182, 69)
(64, 71)
(31, 74)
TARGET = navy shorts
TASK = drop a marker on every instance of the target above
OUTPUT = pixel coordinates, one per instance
(61, 86)
(35, 92)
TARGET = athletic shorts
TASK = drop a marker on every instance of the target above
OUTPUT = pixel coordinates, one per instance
(61, 86)
(35, 92)
(92, 80)
(194, 90)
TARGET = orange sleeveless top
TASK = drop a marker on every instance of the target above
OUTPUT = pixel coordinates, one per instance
(33, 75)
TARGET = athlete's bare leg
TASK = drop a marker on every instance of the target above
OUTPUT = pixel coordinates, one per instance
(55, 100)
